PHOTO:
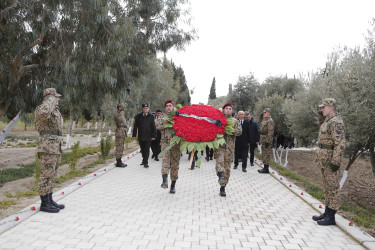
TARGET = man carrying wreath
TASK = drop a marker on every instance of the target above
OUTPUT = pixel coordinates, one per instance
(225, 153)
(171, 158)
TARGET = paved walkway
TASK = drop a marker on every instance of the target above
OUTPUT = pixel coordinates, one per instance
(127, 209)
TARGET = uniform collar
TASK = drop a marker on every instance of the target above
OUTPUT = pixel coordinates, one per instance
(330, 116)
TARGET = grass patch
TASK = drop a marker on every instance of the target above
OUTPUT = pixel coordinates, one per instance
(93, 164)
(81, 153)
(12, 174)
(4, 204)
(71, 174)
(361, 216)
(28, 193)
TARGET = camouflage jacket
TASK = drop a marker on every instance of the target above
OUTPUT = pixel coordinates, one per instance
(267, 127)
(48, 121)
(120, 124)
(231, 139)
(332, 134)
(160, 123)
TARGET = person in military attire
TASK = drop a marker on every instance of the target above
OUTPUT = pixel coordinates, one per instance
(48, 121)
(145, 126)
(267, 127)
(171, 158)
(329, 154)
(120, 134)
(155, 144)
(225, 153)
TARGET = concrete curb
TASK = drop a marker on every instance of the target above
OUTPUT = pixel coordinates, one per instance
(15, 219)
(355, 232)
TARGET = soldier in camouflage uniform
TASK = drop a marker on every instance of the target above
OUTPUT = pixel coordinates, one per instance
(267, 127)
(48, 121)
(329, 154)
(171, 158)
(224, 154)
(120, 134)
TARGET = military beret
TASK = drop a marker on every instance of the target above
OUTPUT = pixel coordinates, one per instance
(228, 104)
(145, 105)
(50, 91)
(168, 101)
(267, 110)
(328, 102)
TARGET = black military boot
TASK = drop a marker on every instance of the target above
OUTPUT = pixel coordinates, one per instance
(173, 187)
(156, 158)
(320, 217)
(146, 165)
(329, 219)
(46, 205)
(119, 163)
(165, 181)
(221, 178)
(265, 170)
(60, 206)
(222, 191)
(235, 166)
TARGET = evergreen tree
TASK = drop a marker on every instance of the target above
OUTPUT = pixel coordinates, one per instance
(213, 90)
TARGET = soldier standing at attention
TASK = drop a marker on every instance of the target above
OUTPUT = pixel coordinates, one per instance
(329, 154)
(145, 126)
(225, 153)
(171, 158)
(267, 127)
(120, 134)
(48, 121)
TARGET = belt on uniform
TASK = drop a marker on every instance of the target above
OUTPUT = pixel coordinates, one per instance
(50, 132)
(263, 133)
(326, 146)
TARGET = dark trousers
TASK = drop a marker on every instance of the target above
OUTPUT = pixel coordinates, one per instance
(252, 148)
(145, 149)
(209, 152)
(194, 159)
(155, 147)
(241, 154)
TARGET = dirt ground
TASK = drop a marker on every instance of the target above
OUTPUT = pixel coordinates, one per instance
(359, 188)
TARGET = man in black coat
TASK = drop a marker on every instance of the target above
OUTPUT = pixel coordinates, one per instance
(155, 144)
(254, 136)
(144, 124)
(242, 142)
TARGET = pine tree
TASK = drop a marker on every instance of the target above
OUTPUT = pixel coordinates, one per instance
(213, 90)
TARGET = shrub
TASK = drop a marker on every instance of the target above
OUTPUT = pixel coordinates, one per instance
(105, 146)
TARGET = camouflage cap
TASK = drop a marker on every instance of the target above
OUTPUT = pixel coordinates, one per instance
(50, 91)
(328, 102)
(267, 110)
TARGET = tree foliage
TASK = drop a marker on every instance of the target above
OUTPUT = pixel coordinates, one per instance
(212, 94)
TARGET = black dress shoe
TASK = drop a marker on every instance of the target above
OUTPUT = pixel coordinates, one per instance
(146, 165)
(251, 164)
(244, 170)
(235, 167)
(142, 163)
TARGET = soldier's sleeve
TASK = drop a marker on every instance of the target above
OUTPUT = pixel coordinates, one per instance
(161, 122)
(46, 109)
(338, 136)
(270, 128)
(237, 128)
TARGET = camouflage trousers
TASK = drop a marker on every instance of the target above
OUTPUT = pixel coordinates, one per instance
(331, 182)
(266, 153)
(48, 167)
(224, 157)
(119, 142)
(170, 159)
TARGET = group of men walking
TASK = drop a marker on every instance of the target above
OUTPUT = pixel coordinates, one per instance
(49, 122)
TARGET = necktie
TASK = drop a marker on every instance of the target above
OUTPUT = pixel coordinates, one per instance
(241, 122)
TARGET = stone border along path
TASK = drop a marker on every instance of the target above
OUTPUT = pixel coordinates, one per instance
(127, 209)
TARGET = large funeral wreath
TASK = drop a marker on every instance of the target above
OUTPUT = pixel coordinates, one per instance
(196, 127)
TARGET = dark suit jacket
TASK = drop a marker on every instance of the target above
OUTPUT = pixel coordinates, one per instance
(243, 140)
(145, 126)
(254, 132)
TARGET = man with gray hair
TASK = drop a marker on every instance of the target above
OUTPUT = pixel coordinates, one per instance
(242, 142)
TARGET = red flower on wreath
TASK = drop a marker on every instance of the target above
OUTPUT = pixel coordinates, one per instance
(195, 130)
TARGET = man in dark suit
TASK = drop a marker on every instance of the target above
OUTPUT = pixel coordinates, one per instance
(254, 136)
(144, 124)
(242, 142)
(155, 144)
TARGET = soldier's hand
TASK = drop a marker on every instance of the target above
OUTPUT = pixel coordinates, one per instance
(334, 167)
(153, 139)
(218, 123)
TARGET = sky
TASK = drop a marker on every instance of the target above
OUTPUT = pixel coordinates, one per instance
(267, 38)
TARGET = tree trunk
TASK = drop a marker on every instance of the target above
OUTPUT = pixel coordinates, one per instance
(372, 156)
(352, 158)
(9, 127)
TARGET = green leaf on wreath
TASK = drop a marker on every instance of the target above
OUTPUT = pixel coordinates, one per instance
(215, 144)
(174, 140)
(190, 147)
(210, 145)
(219, 136)
(221, 141)
(183, 146)
(178, 106)
(169, 125)
(165, 150)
